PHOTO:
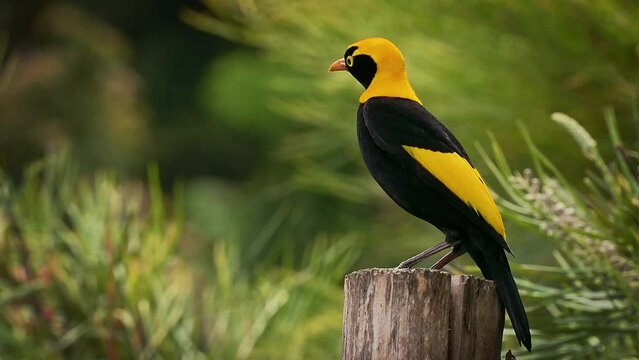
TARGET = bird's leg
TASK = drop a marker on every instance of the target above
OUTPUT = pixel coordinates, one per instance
(409, 263)
(446, 259)
(452, 239)
(457, 251)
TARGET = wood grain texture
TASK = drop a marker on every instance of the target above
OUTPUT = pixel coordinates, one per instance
(420, 314)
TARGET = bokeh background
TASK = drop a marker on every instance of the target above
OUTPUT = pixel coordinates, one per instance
(181, 178)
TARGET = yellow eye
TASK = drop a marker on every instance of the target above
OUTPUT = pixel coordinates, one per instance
(349, 60)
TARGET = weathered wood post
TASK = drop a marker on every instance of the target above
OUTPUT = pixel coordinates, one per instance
(420, 314)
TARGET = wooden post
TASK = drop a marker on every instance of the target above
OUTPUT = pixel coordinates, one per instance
(420, 314)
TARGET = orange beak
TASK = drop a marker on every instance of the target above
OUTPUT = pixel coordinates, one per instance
(338, 65)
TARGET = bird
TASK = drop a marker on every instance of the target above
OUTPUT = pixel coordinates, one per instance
(423, 168)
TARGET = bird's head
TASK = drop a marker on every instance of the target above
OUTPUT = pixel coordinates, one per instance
(379, 66)
(365, 58)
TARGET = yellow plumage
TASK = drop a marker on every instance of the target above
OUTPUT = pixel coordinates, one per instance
(463, 180)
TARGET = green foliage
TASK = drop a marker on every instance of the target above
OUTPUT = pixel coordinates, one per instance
(250, 268)
(587, 306)
(76, 89)
(475, 66)
(236, 89)
(91, 268)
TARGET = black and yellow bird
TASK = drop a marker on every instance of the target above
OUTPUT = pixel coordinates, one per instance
(420, 164)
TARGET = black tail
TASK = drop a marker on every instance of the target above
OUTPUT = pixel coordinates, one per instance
(494, 265)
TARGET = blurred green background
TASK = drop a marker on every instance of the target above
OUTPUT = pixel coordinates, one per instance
(181, 179)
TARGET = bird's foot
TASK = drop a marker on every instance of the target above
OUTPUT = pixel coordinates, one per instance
(406, 264)
(409, 263)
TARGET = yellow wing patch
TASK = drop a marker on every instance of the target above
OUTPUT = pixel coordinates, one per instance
(463, 180)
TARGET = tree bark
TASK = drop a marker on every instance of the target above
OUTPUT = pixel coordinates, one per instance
(420, 314)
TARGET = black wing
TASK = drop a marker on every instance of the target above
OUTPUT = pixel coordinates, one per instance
(395, 124)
